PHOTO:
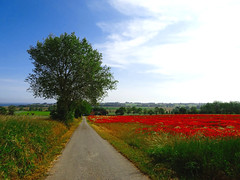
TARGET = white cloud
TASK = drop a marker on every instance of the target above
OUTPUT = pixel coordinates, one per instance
(196, 43)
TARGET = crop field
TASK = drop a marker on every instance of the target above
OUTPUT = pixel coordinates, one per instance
(176, 146)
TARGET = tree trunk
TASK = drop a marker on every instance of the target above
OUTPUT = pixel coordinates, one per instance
(65, 110)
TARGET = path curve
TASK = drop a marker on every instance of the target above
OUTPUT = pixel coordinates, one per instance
(88, 156)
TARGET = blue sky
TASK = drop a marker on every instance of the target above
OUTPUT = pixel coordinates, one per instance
(160, 51)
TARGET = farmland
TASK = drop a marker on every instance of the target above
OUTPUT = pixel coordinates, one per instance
(176, 146)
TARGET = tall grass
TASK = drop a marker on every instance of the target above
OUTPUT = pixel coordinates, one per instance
(28, 145)
(200, 158)
(166, 156)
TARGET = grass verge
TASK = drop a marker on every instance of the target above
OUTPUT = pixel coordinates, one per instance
(28, 145)
(133, 147)
(165, 156)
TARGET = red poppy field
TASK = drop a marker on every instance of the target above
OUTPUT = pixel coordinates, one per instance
(198, 146)
(189, 125)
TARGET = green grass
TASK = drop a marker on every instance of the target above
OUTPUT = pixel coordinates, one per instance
(133, 146)
(165, 156)
(200, 159)
(29, 144)
(31, 113)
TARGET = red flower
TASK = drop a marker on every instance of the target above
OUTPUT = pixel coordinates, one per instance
(189, 125)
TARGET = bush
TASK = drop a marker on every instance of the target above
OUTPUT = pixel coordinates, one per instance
(120, 111)
(3, 110)
(11, 110)
(99, 111)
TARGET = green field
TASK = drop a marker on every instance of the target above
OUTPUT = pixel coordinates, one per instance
(31, 113)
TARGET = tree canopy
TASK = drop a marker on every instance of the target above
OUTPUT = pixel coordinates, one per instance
(69, 70)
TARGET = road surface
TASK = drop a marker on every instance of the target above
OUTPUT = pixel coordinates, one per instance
(88, 156)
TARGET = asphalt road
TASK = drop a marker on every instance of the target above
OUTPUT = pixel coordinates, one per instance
(88, 156)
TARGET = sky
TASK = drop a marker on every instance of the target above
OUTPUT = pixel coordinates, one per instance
(160, 51)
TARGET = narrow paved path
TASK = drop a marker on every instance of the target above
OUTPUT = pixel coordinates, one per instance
(88, 156)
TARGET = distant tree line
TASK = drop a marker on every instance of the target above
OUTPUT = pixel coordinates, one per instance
(221, 108)
(210, 108)
(136, 110)
(147, 105)
(36, 107)
(185, 110)
(84, 108)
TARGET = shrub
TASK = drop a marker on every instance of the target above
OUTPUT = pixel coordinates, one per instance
(3, 110)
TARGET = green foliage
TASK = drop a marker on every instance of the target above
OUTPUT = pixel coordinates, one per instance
(139, 110)
(134, 110)
(145, 111)
(221, 108)
(193, 110)
(3, 110)
(65, 110)
(158, 110)
(11, 110)
(24, 143)
(150, 112)
(128, 110)
(210, 108)
(99, 111)
(120, 111)
(161, 111)
(200, 159)
(83, 108)
(69, 70)
(180, 110)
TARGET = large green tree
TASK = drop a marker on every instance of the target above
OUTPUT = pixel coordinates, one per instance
(69, 70)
